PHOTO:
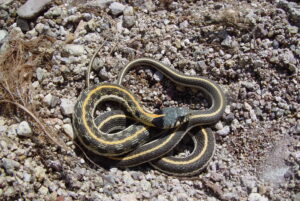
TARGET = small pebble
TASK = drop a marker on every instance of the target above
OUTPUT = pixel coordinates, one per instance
(67, 107)
(24, 129)
(224, 131)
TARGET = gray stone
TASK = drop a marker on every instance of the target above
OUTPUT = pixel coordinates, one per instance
(248, 181)
(128, 21)
(10, 165)
(161, 198)
(116, 8)
(43, 190)
(145, 185)
(40, 173)
(227, 42)
(224, 131)
(257, 197)
(32, 8)
(99, 3)
(68, 130)
(3, 128)
(297, 197)
(253, 115)
(128, 11)
(3, 14)
(128, 180)
(230, 196)
(40, 74)
(182, 197)
(24, 129)
(296, 129)
(39, 27)
(103, 74)
(184, 24)
(12, 130)
(247, 106)
(74, 49)
(5, 2)
(293, 10)
(219, 125)
(26, 177)
(201, 65)
(128, 196)
(292, 29)
(3, 34)
(58, 79)
(51, 100)
(98, 63)
(47, 99)
(149, 5)
(67, 107)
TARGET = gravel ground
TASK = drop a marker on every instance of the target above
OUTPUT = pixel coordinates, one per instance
(250, 48)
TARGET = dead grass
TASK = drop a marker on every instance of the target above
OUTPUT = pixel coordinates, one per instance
(17, 66)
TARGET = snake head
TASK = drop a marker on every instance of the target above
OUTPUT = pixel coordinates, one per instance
(171, 117)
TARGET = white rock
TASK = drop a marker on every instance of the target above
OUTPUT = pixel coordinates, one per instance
(47, 99)
(39, 27)
(3, 34)
(99, 3)
(224, 131)
(10, 165)
(35, 84)
(247, 106)
(32, 8)
(68, 130)
(3, 128)
(127, 197)
(145, 185)
(40, 173)
(158, 76)
(248, 181)
(26, 177)
(40, 74)
(219, 125)
(73, 49)
(116, 8)
(128, 21)
(67, 107)
(256, 197)
(43, 190)
(54, 12)
(5, 2)
(12, 129)
(24, 129)
(128, 11)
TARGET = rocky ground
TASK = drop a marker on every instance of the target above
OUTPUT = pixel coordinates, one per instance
(250, 48)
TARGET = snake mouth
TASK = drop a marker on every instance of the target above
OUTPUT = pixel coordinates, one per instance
(171, 117)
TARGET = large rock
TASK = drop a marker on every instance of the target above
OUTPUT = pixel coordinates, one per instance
(32, 8)
(292, 9)
(116, 8)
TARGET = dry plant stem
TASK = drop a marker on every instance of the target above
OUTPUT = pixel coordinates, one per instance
(36, 120)
(91, 63)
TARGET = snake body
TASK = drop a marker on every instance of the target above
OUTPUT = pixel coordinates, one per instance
(126, 148)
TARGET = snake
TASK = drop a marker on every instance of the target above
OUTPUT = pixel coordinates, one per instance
(133, 145)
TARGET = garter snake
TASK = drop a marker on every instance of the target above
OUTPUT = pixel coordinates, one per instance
(176, 121)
